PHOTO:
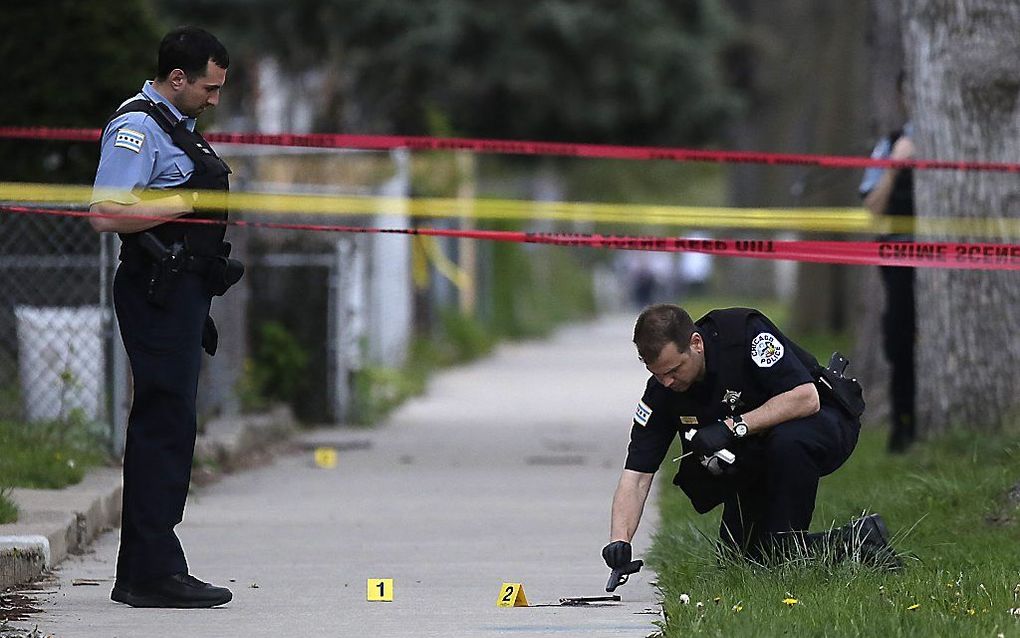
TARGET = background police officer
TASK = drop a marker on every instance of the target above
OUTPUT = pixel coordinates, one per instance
(733, 381)
(152, 165)
(891, 192)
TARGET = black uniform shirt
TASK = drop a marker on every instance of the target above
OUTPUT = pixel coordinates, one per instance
(658, 416)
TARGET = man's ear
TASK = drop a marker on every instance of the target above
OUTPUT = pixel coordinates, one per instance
(697, 343)
(177, 78)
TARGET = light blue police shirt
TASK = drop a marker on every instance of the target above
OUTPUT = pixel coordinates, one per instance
(137, 155)
(882, 151)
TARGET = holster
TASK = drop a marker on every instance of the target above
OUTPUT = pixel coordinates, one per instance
(167, 264)
(847, 393)
(223, 272)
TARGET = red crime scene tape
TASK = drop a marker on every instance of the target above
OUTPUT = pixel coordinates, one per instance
(972, 256)
(510, 147)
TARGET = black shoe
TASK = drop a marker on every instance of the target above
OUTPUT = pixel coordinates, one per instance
(870, 543)
(182, 591)
(120, 593)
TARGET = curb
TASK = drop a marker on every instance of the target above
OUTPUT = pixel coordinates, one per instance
(56, 523)
(22, 559)
(226, 442)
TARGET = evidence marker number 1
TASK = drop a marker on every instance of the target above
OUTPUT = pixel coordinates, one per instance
(380, 590)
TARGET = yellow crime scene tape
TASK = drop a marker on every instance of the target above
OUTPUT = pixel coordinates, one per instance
(426, 251)
(830, 220)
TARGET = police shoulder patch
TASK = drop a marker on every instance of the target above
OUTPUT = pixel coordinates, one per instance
(766, 350)
(642, 413)
(130, 139)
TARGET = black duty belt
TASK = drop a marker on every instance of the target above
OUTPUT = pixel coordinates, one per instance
(198, 263)
(138, 261)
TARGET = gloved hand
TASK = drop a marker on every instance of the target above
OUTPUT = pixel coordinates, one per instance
(616, 554)
(712, 438)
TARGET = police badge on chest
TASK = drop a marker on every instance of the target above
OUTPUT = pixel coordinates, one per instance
(731, 399)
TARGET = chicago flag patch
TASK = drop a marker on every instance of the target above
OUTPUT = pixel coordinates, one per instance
(131, 140)
(642, 413)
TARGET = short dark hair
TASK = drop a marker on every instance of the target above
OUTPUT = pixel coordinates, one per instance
(660, 324)
(190, 49)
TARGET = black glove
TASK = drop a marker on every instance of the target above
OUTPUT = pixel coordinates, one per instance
(616, 554)
(712, 438)
(210, 336)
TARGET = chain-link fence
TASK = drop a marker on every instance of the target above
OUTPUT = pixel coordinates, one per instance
(55, 321)
(344, 298)
(61, 357)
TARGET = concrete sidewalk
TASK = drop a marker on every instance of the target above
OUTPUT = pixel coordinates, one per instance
(53, 524)
(503, 472)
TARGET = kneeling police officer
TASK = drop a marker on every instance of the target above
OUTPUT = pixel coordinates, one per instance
(151, 168)
(760, 422)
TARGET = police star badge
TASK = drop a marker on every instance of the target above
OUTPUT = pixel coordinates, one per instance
(732, 399)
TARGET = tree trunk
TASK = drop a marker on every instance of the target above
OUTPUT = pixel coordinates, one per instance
(962, 57)
(803, 69)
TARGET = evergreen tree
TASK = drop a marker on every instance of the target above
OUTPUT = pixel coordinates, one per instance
(634, 72)
(69, 63)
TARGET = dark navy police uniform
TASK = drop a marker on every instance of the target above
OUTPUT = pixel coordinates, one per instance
(772, 490)
(899, 321)
(164, 337)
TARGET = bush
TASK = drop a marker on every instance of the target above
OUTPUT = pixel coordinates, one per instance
(8, 510)
(463, 339)
(280, 362)
(377, 389)
(537, 287)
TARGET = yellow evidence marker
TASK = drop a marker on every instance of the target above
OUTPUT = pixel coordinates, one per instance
(325, 457)
(380, 590)
(512, 595)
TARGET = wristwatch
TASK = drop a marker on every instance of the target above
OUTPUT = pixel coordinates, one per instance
(739, 427)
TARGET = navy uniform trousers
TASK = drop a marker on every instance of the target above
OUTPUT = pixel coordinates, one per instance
(779, 473)
(899, 332)
(164, 347)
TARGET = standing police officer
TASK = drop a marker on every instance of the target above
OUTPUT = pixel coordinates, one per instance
(734, 382)
(151, 167)
(890, 192)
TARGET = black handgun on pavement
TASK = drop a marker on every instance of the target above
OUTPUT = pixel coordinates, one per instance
(621, 574)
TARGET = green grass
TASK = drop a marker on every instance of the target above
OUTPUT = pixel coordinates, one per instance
(946, 505)
(44, 455)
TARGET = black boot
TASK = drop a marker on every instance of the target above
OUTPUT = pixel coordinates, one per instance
(902, 435)
(864, 540)
(867, 541)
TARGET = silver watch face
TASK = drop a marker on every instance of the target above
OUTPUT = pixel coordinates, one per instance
(740, 430)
